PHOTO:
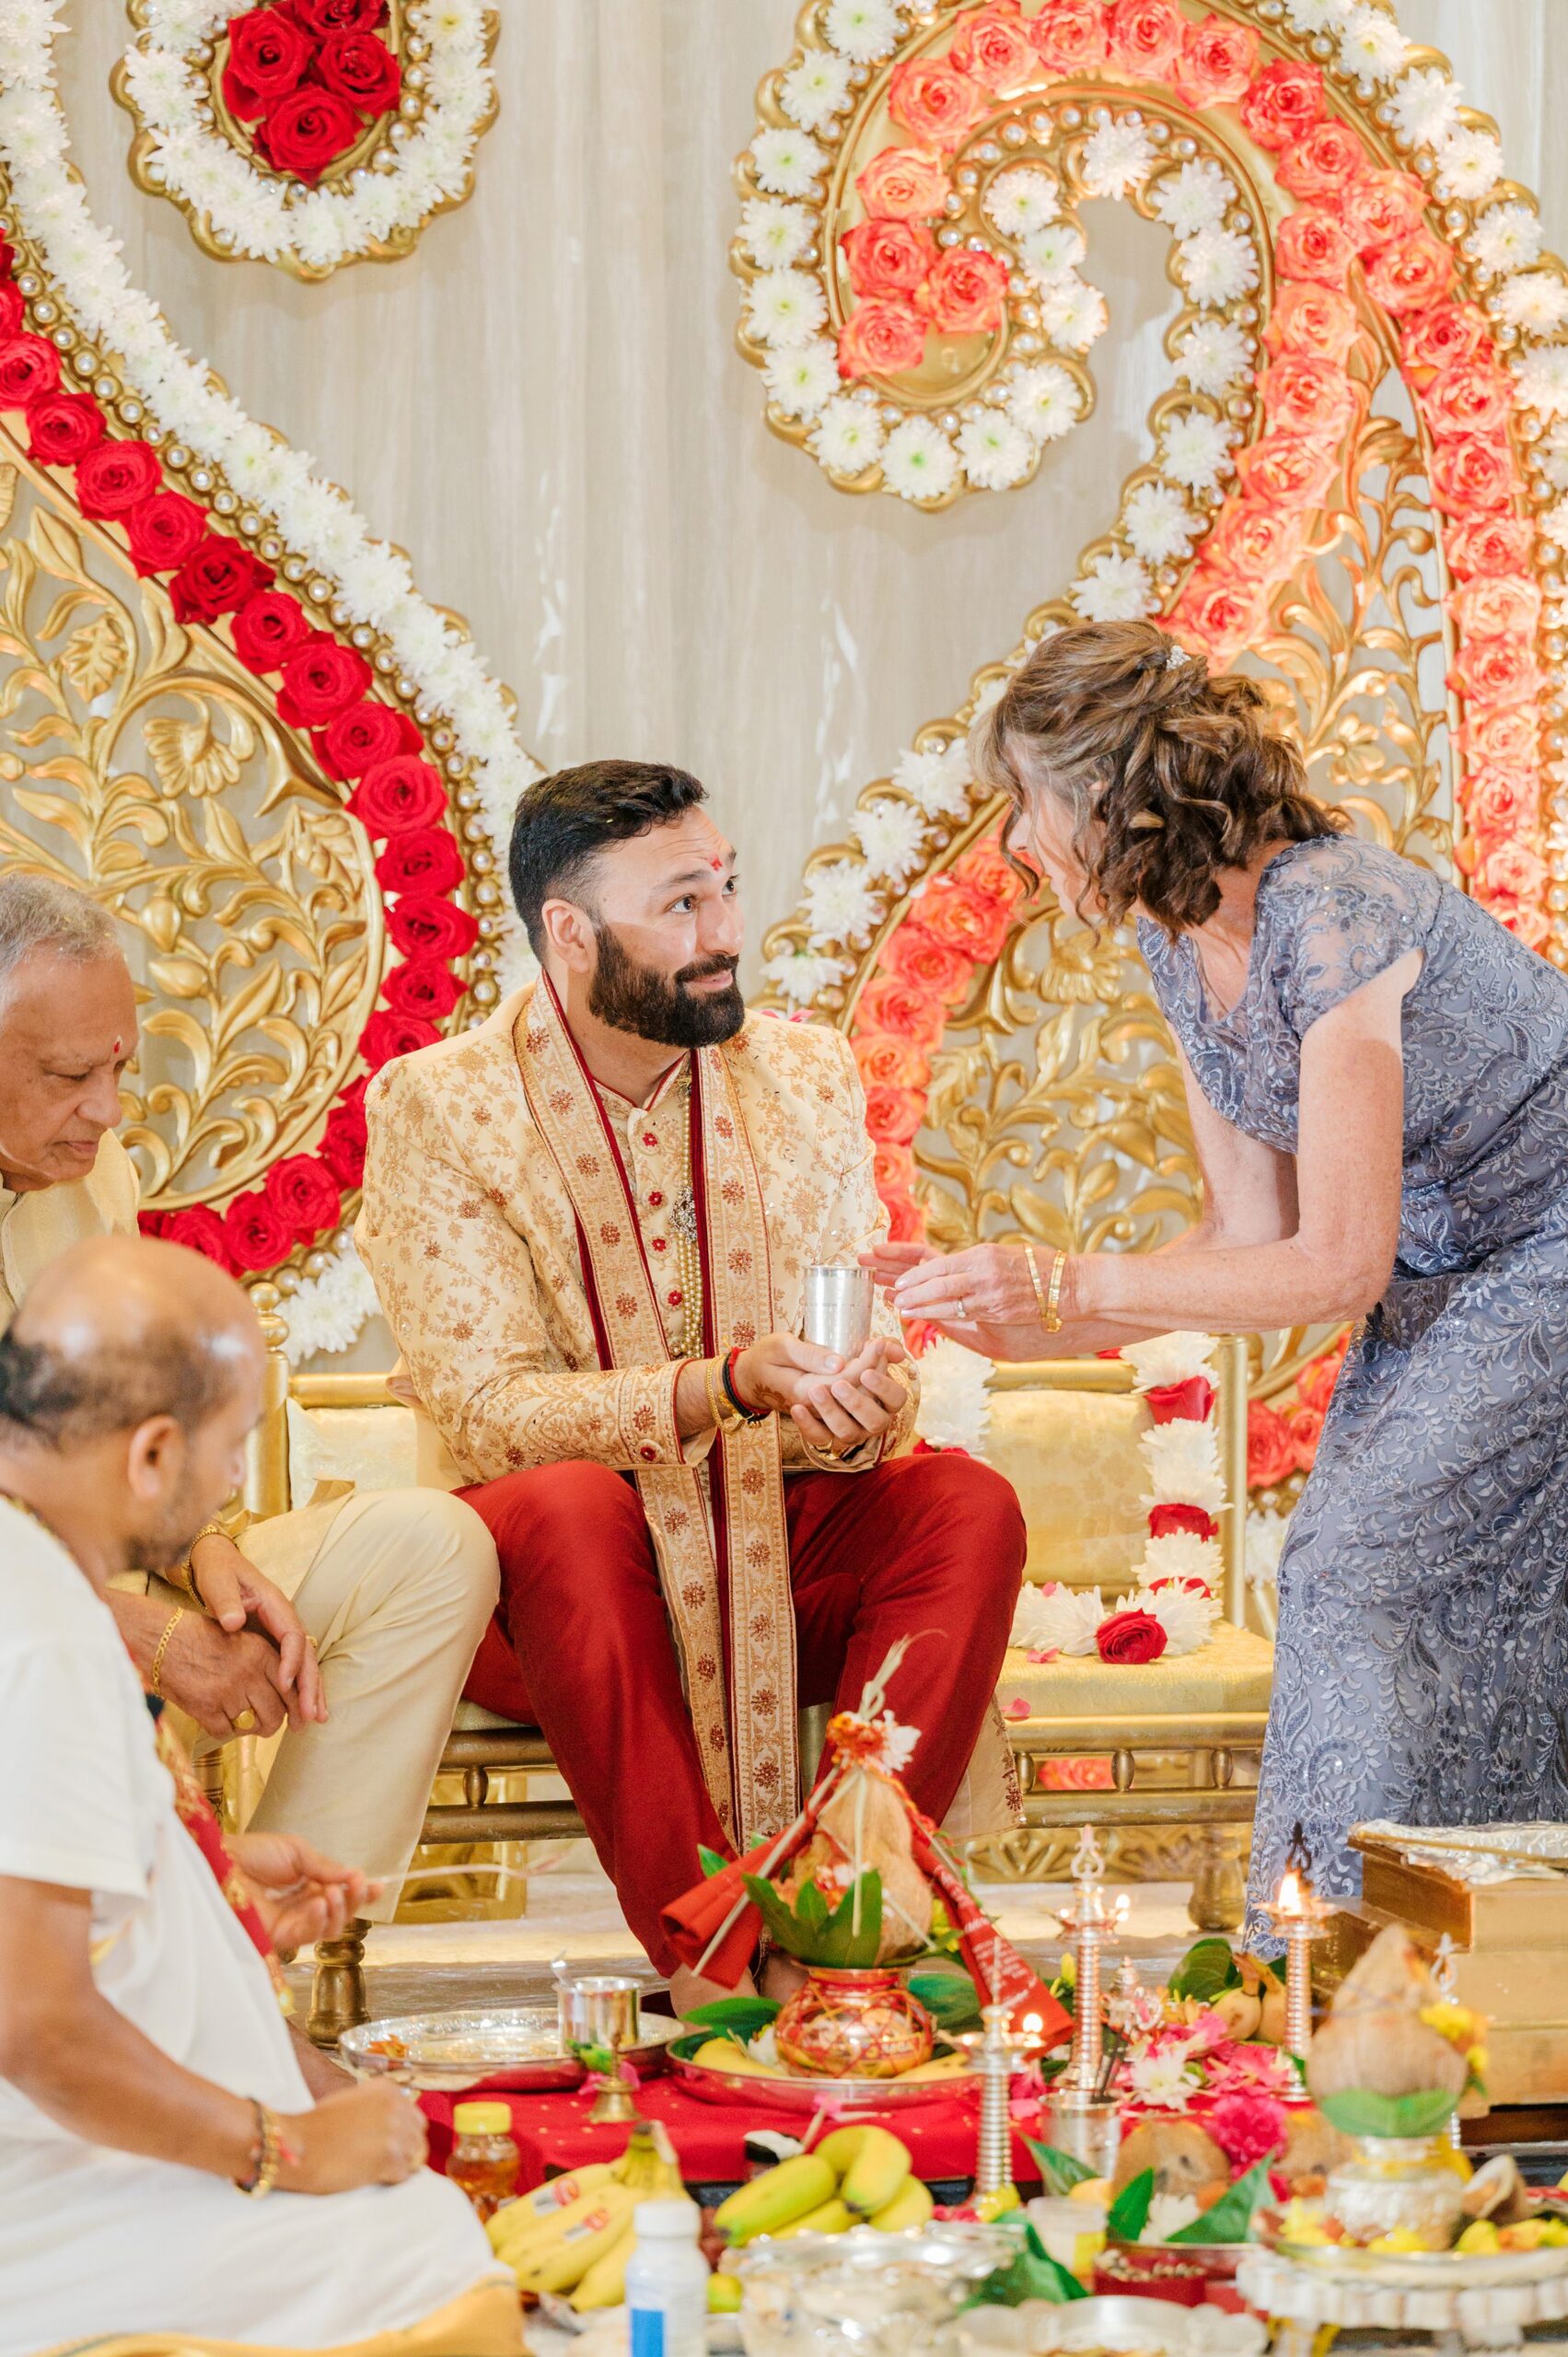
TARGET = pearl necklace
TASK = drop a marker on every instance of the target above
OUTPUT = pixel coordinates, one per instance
(687, 1252)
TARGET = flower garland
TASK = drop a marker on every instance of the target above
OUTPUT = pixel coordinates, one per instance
(321, 89)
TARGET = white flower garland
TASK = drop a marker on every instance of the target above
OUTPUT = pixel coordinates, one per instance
(954, 1398)
(449, 100)
(327, 1313)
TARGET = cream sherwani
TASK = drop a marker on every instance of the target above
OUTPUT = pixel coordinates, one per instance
(396, 1588)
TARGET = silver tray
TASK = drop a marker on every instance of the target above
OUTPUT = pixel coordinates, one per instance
(1428, 2270)
(521, 2043)
(749, 2087)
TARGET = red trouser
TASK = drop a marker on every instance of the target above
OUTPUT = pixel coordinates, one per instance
(929, 1547)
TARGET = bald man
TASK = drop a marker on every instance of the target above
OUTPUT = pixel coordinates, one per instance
(145, 2070)
(352, 1625)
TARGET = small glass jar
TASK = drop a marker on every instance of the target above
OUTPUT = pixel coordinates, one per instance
(484, 2158)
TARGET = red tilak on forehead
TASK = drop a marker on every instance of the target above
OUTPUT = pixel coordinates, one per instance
(717, 867)
(117, 1047)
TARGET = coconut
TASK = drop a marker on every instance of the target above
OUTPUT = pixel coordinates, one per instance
(1392, 1973)
(1382, 2051)
(1312, 2149)
(1183, 2157)
(868, 1821)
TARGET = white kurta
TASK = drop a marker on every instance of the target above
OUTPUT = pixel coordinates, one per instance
(94, 2241)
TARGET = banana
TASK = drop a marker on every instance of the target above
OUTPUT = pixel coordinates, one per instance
(833, 2217)
(562, 2266)
(530, 2244)
(725, 2295)
(877, 2173)
(945, 2066)
(839, 2149)
(992, 2206)
(771, 2201)
(725, 2054)
(910, 2206)
(546, 2201)
(604, 2285)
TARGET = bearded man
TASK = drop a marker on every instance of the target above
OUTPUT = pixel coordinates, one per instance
(589, 1224)
(352, 1624)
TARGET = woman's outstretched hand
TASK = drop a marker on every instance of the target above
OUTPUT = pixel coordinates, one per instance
(965, 1295)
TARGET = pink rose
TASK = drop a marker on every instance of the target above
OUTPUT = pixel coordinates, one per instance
(1217, 62)
(1411, 275)
(910, 956)
(881, 337)
(884, 1062)
(886, 257)
(1271, 1452)
(1380, 207)
(954, 914)
(1287, 469)
(1309, 397)
(1515, 870)
(994, 48)
(933, 102)
(1282, 104)
(1468, 397)
(1146, 38)
(1224, 615)
(893, 1114)
(1256, 542)
(1312, 245)
(986, 866)
(1070, 35)
(1472, 471)
(903, 184)
(1529, 922)
(1322, 160)
(1306, 1431)
(966, 292)
(1449, 332)
(1311, 320)
(1503, 804)
(893, 1169)
(1497, 606)
(1488, 544)
(889, 1005)
(1315, 1384)
(1509, 737)
(1496, 670)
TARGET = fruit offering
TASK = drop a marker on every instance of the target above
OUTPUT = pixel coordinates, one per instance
(574, 2234)
(854, 2177)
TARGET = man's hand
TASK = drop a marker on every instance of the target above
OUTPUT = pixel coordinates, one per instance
(238, 1598)
(368, 2135)
(208, 1675)
(835, 1406)
(300, 1896)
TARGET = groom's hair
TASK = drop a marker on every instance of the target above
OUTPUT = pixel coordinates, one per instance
(565, 820)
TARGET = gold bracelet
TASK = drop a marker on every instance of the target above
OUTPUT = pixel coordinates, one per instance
(208, 1530)
(156, 1675)
(266, 2155)
(1034, 1281)
(724, 1415)
(1053, 1297)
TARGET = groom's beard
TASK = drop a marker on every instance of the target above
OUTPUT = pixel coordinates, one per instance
(639, 999)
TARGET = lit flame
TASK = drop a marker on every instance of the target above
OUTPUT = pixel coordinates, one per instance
(1292, 1897)
(1034, 2024)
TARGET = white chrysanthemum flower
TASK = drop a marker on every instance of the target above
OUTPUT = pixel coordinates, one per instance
(1536, 299)
(841, 903)
(1469, 164)
(892, 836)
(1162, 2079)
(788, 163)
(1194, 450)
(939, 781)
(1266, 1536)
(996, 453)
(1316, 16)
(1118, 157)
(1165, 1359)
(919, 461)
(1114, 588)
(1187, 1618)
(801, 976)
(1053, 1619)
(785, 307)
(1213, 356)
(1183, 1466)
(849, 435)
(1021, 201)
(1371, 47)
(1426, 106)
(1218, 266)
(816, 91)
(1508, 237)
(1073, 314)
(1160, 525)
(955, 1404)
(329, 1312)
(1046, 402)
(775, 235)
(1053, 252)
(804, 378)
(1182, 1555)
(1196, 197)
(863, 30)
(1168, 2213)
(1543, 379)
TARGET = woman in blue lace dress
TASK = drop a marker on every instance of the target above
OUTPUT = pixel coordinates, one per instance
(1378, 1074)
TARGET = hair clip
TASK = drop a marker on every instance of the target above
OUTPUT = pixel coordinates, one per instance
(1178, 656)
(1145, 822)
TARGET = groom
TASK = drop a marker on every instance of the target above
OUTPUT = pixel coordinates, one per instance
(589, 1223)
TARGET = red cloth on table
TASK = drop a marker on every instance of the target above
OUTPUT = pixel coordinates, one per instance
(930, 1548)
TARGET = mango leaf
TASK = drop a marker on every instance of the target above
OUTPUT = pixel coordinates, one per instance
(1130, 2211)
(740, 2017)
(1206, 1970)
(809, 1931)
(710, 1862)
(950, 1997)
(1059, 2171)
(1230, 2220)
(1358, 2112)
(849, 1946)
(691, 2043)
(1033, 2274)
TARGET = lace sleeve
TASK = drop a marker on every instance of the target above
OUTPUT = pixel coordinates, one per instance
(1346, 913)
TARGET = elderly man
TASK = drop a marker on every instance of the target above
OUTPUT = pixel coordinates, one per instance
(352, 1623)
(589, 1223)
(145, 2071)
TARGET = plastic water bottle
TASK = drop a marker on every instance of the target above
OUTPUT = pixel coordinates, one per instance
(667, 2281)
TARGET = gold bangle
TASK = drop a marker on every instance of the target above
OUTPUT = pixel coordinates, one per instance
(208, 1530)
(724, 1415)
(266, 2155)
(154, 1675)
(1034, 1281)
(1053, 1297)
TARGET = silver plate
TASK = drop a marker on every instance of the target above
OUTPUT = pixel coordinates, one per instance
(453, 2050)
(1428, 2270)
(808, 2094)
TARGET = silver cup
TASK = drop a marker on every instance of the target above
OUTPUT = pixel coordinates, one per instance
(838, 1309)
(598, 2009)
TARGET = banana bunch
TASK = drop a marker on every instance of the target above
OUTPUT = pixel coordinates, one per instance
(576, 2235)
(856, 2177)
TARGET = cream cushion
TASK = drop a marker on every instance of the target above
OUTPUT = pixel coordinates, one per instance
(1074, 1458)
(368, 1448)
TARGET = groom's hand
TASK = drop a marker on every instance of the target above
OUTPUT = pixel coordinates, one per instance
(837, 1415)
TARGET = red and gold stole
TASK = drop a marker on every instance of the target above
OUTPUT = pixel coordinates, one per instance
(196, 1814)
(721, 1539)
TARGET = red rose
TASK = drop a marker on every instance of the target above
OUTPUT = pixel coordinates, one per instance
(419, 926)
(1497, 606)
(1313, 319)
(1472, 471)
(323, 679)
(994, 46)
(267, 57)
(1145, 38)
(1217, 62)
(912, 956)
(954, 914)
(1271, 1452)
(256, 1232)
(1513, 870)
(1529, 922)
(217, 578)
(1308, 397)
(344, 1139)
(1312, 245)
(1070, 35)
(306, 132)
(933, 102)
(889, 1005)
(887, 1062)
(200, 1230)
(29, 368)
(1169, 1520)
(1315, 1384)
(116, 476)
(965, 293)
(165, 530)
(13, 309)
(879, 338)
(1488, 544)
(1224, 615)
(1287, 471)
(1130, 1637)
(1182, 1403)
(1496, 670)
(903, 184)
(321, 17)
(1510, 738)
(421, 986)
(425, 862)
(305, 1197)
(361, 70)
(1282, 104)
(1322, 160)
(388, 1035)
(1502, 805)
(62, 427)
(269, 628)
(1449, 332)
(893, 1170)
(1380, 207)
(1468, 397)
(893, 1115)
(396, 796)
(1411, 275)
(888, 257)
(367, 733)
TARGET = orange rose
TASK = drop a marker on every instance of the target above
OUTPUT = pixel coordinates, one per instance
(1282, 104)
(1224, 615)
(994, 48)
(893, 1166)
(1309, 396)
(891, 1064)
(1503, 804)
(1322, 160)
(1489, 544)
(879, 338)
(1287, 469)
(893, 1115)
(933, 102)
(965, 293)
(1472, 471)
(984, 866)
(1411, 275)
(1515, 870)
(906, 1220)
(1312, 245)
(954, 914)
(1378, 207)
(1510, 737)
(1500, 605)
(1145, 38)
(886, 257)
(1449, 332)
(1315, 1384)
(1469, 397)
(1256, 543)
(899, 1007)
(1496, 670)
(1311, 320)
(903, 184)
(912, 956)
(1070, 35)
(1305, 1431)
(1217, 62)
(1271, 1452)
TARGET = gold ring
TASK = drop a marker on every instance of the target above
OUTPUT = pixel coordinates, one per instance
(963, 1311)
(310, 1641)
(245, 1720)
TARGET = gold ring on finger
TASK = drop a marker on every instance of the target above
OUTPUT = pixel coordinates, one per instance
(963, 1310)
(245, 1720)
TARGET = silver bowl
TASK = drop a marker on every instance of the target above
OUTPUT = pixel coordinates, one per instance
(453, 2050)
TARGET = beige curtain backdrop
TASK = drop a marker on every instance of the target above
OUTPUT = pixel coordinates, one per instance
(545, 407)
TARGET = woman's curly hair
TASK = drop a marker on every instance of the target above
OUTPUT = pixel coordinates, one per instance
(1170, 775)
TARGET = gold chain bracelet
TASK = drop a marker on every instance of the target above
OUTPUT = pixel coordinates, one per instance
(266, 2155)
(154, 1678)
